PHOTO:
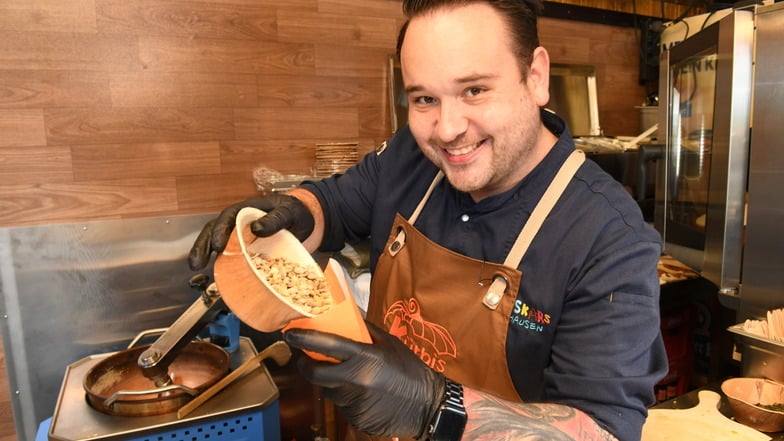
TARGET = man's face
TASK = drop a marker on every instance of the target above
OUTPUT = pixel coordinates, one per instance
(470, 111)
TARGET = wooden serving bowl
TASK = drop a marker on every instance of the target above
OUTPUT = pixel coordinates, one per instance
(748, 399)
(244, 288)
(246, 292)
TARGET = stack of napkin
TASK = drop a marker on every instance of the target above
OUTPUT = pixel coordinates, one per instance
(772, 327)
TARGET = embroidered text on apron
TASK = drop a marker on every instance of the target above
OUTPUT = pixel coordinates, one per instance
(452, 310)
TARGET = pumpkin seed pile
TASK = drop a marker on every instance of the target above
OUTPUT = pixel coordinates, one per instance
(299, 284)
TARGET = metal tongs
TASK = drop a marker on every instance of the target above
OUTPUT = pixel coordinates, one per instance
(154, 362)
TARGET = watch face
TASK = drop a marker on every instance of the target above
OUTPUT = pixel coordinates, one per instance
(449, 424)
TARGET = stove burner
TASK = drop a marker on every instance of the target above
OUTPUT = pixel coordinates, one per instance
(246, 409)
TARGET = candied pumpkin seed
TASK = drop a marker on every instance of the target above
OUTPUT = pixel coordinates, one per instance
(301, 285)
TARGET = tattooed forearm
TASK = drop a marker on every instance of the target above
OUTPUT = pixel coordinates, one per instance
(495, 419)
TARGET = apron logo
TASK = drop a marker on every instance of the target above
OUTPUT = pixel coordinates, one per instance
(529, 318)
(431, 342)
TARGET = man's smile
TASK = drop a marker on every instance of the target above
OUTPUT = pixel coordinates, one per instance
(462, 152)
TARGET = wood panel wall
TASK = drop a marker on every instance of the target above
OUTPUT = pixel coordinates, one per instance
(123, 108)
(614, 52)
(664, 9)
(113, 109)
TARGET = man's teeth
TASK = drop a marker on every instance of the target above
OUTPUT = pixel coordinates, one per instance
(463, 151)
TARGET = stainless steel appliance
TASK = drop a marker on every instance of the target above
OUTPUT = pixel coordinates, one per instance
(247, 409)
(706, 82)
(177, 388)
(71, 294)
(718, 201)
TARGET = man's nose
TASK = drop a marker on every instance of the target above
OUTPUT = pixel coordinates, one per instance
(452, 121)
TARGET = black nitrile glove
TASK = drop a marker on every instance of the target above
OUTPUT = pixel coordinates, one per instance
(283, 211)
(382, 389)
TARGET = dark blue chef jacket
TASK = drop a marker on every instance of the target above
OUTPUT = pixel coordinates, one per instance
(590, 271)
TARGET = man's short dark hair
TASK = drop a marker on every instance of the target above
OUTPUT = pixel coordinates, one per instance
(520, 16)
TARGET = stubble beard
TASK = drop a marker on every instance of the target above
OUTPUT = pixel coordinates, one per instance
(507, 165)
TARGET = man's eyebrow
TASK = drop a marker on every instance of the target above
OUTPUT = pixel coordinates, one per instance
(474, 78)
(414, 88)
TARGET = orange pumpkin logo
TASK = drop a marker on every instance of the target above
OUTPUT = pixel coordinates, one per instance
(431, 342)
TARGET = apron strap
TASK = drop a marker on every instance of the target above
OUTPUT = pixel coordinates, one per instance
(554, 191)
(422, 202)
(557, 186)
(542, 209)
(400, 238)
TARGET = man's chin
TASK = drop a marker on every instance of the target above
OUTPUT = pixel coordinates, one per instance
(462, 181)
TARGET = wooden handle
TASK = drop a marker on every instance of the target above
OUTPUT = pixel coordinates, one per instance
(278, 351)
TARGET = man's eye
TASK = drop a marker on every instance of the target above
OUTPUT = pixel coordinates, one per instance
(424, 100)
(474, 91)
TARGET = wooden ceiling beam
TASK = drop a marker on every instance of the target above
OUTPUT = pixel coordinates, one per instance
(661, 9)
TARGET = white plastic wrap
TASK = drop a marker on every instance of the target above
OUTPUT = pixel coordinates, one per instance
(268, 180)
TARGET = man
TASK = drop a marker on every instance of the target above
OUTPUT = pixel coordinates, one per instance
(534, 305)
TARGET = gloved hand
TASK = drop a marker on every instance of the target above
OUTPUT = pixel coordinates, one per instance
(382, 389)
(283, 211)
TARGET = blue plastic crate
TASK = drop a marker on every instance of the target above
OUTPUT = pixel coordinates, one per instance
(262, 425)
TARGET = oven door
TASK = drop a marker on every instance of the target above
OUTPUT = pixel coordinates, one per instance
(705, 85)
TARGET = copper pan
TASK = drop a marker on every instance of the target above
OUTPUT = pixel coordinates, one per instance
(117, 386)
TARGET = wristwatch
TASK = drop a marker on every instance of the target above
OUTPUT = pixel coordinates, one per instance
(450, 419)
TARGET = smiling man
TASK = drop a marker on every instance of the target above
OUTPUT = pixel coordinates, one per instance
(514, 288)
(473, 111)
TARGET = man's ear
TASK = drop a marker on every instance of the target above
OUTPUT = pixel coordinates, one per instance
(538, 80)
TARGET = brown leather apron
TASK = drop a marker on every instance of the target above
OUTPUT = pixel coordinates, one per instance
(452, 310)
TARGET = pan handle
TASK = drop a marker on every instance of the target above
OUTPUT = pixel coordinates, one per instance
(146, 333)
(109, 402)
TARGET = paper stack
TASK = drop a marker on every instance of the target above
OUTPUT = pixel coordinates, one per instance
(772, 327)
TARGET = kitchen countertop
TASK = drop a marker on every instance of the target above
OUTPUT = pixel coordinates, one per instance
(689, 400)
